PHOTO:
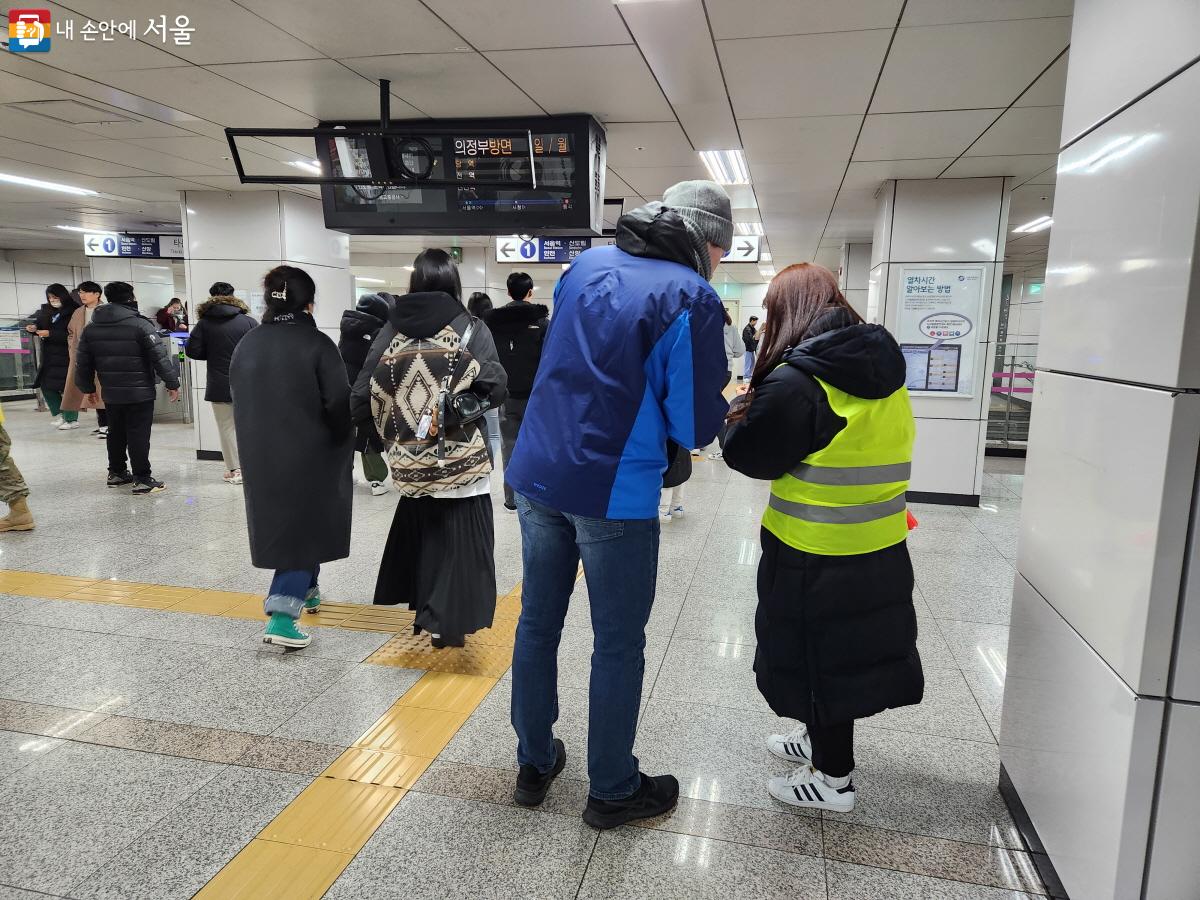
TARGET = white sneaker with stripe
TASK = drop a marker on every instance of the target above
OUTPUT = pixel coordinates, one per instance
(807, 788)
(794, 747)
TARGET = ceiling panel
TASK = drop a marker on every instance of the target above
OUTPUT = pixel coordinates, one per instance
(448, 84)
(648, 143)
(1049, 175)
(771, 179)
(212, 97)
(861, 176)
(967, 66)
(923, 135)
(64, 161)
(615, 186)
(320, 87)
(145, 128)
(375, 27)
(519, 24)
(803, 75)
(566, 81)
(1050, 89)
(768, 18)
(225, 31)
(15, 89)
(1022, 130)
(945, 12)
(817, 146)
(651, 181)
(988, 166)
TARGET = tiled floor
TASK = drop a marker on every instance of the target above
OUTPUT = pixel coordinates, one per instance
(143, 749)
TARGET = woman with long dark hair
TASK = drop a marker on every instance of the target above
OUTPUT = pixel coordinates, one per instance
(50, 324)
(827, 420)
(431, 373)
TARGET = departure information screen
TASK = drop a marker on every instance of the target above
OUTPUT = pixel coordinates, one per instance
(932, 367)
(484, 176)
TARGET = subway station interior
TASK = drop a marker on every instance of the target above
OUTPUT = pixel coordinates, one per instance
(288, 653)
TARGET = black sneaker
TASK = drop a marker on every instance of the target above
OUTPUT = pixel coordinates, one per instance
(656, 796)
(119, 479)
(532, 785)
(149, 486)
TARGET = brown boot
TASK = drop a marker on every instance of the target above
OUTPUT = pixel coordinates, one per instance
(19, 517)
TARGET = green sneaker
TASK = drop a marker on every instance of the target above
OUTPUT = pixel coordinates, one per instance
(312, 600)
(282, 630)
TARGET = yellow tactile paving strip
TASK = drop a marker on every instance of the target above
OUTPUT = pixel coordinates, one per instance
(304, 849)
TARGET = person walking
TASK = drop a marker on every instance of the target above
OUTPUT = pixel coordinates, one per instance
(74, 399)
(13, 489)
(223, 321)
(750, 337)
(359, 328)
(480, 306)
(122, 349)
(519, 328)
(827, 420)
(633, 358)
(292, 414)
(50, 324)
(431, 374)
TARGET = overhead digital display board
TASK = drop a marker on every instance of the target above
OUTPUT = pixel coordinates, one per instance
(465, 176)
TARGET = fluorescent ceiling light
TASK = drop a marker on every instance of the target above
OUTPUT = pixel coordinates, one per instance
(1038, 224)
(47, 185)
(748, 228)
(369, 280)
(84, 230)
(726, 166)
(307, 165)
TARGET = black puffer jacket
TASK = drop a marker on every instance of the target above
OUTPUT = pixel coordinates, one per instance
(837, 635)
(359, 330)
(223, 322)
(519, 329)
(56, 357)
(123, 350)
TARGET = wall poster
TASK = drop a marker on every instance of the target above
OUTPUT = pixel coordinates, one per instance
(939, 327)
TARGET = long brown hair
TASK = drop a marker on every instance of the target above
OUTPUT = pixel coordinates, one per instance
(797, 298)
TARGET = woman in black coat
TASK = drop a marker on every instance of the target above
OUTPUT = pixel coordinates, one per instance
(827, 419)
(224, 321)
(359, 328)
(50, 324)
(291, 405)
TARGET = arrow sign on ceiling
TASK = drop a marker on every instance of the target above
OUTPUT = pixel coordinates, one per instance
(744, 249)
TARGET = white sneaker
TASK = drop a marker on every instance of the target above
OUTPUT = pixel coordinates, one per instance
(102, 433)
(68, 426)
(56, 421)
(807, 788)
(233, 476)
(664, 515)
(717, 454)
(379, 488)
(677, 512)
(795, 747)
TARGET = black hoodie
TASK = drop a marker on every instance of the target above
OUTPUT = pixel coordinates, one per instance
(790, 417)
(519, 329)
(123, 350)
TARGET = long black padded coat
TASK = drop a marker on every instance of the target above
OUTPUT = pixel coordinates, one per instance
(56, 356)
(837, 635)
(291, 410)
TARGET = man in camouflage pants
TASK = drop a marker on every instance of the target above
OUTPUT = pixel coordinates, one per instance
(13, 489)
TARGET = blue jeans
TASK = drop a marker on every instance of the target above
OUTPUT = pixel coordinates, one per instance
(289, 587)
(748, 364)
(620, 562)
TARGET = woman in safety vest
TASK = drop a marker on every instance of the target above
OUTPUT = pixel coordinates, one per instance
(826, 419)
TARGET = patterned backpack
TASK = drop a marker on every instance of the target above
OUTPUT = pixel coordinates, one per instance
(406, 388)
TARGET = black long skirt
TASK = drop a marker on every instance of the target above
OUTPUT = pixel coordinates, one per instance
(440, 561)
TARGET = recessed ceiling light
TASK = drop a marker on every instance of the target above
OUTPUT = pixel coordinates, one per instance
(748, 227)
(726, 166)
(47, 185)
(1039, 224)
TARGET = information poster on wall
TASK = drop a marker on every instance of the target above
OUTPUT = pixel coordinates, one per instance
(938, 327)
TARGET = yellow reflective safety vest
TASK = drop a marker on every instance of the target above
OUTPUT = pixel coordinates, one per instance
(848, 497)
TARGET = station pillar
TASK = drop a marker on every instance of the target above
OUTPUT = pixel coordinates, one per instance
(237, 237)
(934, 282)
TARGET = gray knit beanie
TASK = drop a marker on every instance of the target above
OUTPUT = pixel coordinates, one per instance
(705, 206)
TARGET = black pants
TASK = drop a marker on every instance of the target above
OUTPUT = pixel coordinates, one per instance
(129, 430)
(833, 748)
(102, 418)
(512, 414)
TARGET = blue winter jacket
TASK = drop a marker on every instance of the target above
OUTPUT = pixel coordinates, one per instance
(635, 355)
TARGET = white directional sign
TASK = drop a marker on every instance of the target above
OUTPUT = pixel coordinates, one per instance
(100, 244)
(745, 249)
(154, 246)
(523, 249)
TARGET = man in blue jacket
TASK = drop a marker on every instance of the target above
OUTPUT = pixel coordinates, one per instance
(634, 361)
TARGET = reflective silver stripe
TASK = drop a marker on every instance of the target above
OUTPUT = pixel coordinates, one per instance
(839, 515)
(853, 475)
